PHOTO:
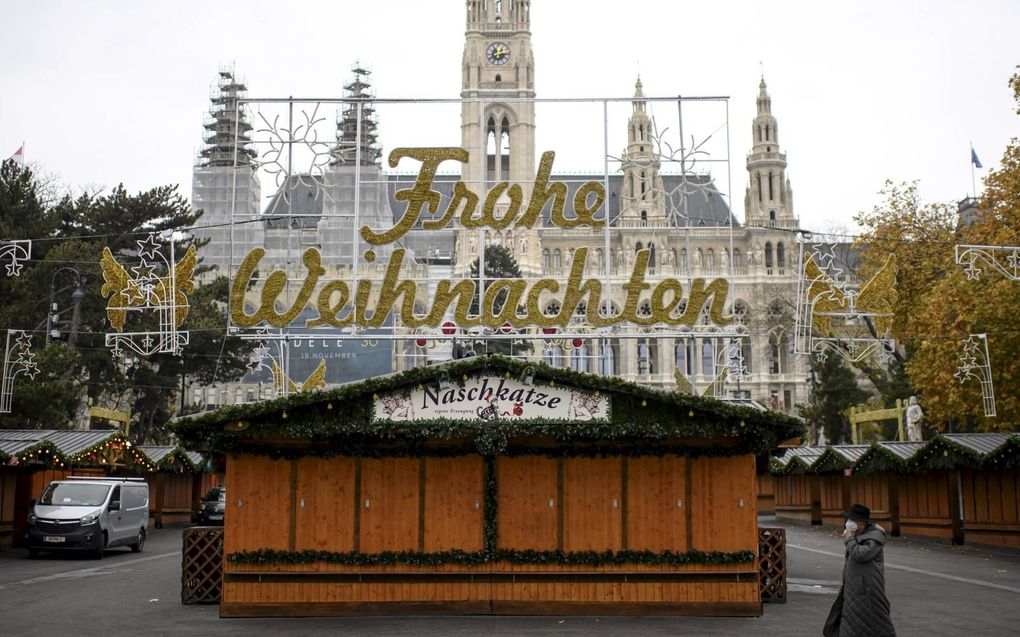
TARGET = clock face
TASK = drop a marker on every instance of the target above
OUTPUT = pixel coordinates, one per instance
(497, 53)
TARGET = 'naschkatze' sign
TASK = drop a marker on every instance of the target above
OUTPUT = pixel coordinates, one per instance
(492, 398)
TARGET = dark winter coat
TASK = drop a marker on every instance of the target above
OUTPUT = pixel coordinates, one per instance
(861, 609)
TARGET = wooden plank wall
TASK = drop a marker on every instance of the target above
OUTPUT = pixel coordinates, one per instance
(793, 497)
(924, 504)
(656, 492)
(435, 504)
(8, 489)
(835, 494)
(991, 507)
(766, 494)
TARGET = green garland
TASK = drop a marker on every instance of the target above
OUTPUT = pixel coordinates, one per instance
(340, 421)
(474, 558)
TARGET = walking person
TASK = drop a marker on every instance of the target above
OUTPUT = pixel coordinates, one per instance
(861, 609)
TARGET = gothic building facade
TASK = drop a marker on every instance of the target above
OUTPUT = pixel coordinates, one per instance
(699, 238)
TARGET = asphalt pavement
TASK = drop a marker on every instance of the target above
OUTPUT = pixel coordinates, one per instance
(935, 590)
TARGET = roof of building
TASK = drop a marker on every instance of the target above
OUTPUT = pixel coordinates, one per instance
(62, 445)
(943, 452)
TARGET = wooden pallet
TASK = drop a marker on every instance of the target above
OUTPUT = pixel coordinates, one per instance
(202, 565)
(772, 565)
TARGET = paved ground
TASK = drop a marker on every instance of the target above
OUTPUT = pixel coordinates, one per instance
(935, 590)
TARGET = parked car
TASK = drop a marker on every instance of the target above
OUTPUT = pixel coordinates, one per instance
(90, 514)
(213, 505)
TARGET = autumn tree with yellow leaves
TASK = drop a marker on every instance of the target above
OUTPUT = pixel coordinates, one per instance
(939, 306)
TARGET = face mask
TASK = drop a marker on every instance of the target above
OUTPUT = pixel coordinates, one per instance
(851, 526)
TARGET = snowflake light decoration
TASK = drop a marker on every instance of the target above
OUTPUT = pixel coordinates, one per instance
(287, 140)
(18, 361)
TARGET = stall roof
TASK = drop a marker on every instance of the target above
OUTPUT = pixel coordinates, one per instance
(67, 442)
(944, 451)
(158, 453)
(332, 420)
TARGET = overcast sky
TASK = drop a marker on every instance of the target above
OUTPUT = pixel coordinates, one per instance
(104, 92)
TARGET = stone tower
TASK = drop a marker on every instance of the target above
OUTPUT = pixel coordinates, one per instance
(224, 183)
(769, 198)
(642, 199)
(498, 119)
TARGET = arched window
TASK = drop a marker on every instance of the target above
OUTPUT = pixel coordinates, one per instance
(552, 355)
(597, 258)
(683, 259)
(557, 259)
(579, 359)
(771, 194)
(768, 254)
(710, 259)
(545, 258)
(774, 354)
(499, 78)
(645, 309)
(680, 357)
(708, 358)
(758, 177)
(780, 255)
(738, 259)
(608, 355)
(651, 257)
(645, 357)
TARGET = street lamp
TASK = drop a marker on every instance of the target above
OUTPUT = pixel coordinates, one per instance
(76, 298)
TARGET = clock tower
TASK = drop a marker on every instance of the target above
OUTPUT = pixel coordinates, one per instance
(498, 115)
(498, 69)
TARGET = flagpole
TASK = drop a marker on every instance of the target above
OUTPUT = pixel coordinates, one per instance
(973, 183)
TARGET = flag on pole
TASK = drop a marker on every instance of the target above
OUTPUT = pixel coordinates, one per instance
(974, 158)
(19, 156)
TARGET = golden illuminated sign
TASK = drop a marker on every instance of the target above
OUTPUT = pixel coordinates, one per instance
(338, 306)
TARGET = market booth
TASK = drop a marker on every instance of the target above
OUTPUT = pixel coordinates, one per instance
(32, 458)
(489, 486)
(177, 485)
(953, 487)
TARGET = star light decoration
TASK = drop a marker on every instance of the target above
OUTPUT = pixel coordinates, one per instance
(18, 251)
(156, 285)
(975, 363)
(18, 361)
(1003, 259)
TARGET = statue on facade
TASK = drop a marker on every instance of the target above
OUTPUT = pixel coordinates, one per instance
(914, 417)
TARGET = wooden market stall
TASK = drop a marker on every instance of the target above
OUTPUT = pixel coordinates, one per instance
(489, 486)
(177, 485)
(32, 458)
(954, 487)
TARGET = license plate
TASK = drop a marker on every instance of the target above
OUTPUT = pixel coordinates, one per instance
(216, 517)
(54, 538)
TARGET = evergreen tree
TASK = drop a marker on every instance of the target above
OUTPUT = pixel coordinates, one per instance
(499, 264)
(834, 390)
(71, 235)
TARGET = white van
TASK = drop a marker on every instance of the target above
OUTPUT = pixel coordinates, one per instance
(90, 514)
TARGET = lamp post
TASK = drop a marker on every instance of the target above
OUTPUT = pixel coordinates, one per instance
(76, 298)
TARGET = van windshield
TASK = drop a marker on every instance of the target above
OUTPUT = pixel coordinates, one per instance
(75, 495)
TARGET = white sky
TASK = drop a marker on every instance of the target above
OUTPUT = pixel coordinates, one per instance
(104, 92)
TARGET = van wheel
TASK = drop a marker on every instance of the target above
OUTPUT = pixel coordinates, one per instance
(139, 542)
(97, 552)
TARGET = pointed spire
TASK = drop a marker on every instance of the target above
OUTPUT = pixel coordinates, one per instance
(764, 101)
(637, 88)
